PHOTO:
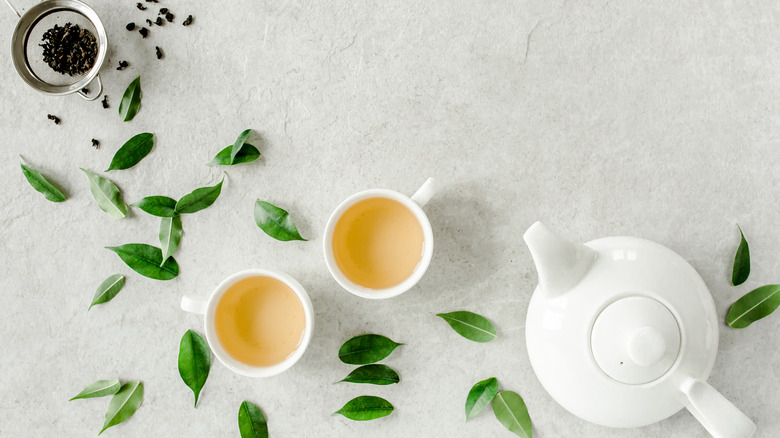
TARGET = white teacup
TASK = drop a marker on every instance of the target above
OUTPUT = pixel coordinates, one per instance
(414, 205)
(208, 307)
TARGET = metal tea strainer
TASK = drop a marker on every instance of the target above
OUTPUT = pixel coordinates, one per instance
(27, 53)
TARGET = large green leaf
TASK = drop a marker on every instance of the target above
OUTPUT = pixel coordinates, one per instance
(366, 349)
(480, 395)
(199, 199)
(471, 326)
(108, 289)
(132, 152)
(510, 410)
(251, 421)
(107, 195)
(741, 269)
(753, 306)
(247, 154)
(101, 388)
(124, 404)
(131, 100)
(275, 222)
(147, 260)
(194, 362)
(41, 184)
(170, 235)
(365, 408)
(376, 374)
(161, 206)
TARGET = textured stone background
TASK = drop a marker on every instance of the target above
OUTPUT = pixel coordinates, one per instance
(653, 119)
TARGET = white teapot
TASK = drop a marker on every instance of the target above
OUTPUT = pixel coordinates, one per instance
(623, 332)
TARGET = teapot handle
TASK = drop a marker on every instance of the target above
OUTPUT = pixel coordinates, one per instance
(719, 416)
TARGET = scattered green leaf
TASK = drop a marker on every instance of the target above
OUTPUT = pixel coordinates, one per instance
(365, 408)
(251, 421)
(510, 410)
(124, 404)
(147, 260)
(199, 199)
(107, 195)
(471, 326)
(170, 235)
(108, 289)
(131, 100)
(366, 349)
(753, 306)
(480, 396)
(741, 269)
(238, 145)
(247, 154)
(275, 222)
(194, 362)
(100, 388)
(375, 374)
(161, 206)
(41, 184)
(132, 152)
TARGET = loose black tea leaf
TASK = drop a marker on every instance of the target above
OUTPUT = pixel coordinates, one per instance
(144, 32)
(159, 52)
(130, 26)
(159, 21)
(149, 22)
(140, 6)
(95, 144)
(163, 11)
(85, 90)
(55, 118)
(69, 49)
(122, 65)
(169, 17)
(188, 21)
(152, 1)
(105, 101)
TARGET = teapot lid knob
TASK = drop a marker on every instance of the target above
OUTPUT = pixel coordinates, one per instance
(646, 346)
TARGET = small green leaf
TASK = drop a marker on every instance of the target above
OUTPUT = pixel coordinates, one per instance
(108, 289)
(131, 100)
(147, 260)
(510, 410)
(199, 199)
(107, 195)
(161, 206)
(376, 374)
(247, 154)
(366, 349)
(124, 404)
(741, 269)
(753, 306)
(132, 152)
(275, 222)
(238, 145)
(471, 326)
(100, 388)
(194, 362)
(170, 235)
(480, 396)
(41, 184)
(365, 408)
(251, 421)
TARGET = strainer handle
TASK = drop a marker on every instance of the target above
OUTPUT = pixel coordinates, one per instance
(99, 92)
(8, 2)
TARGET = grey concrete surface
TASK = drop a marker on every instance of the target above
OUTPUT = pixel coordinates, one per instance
(653, 119)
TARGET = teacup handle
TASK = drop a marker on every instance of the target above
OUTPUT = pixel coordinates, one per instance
(719, 416)
(194, 305)
(425, 193)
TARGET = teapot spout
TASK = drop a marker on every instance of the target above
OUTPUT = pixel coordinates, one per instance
(560, 264)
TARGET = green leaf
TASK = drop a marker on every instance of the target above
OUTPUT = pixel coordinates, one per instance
(108, 289)
(366, 349)
(132, 152)
(753, 306)
(480, 396)
(131, 100)
(194, 362)
(275, 222)
(147, 260)
(199, 199)
(741, 269)
(251, 421)
(41, 184)
(238, 145)
(247, 154)
(470, 325)
(124, 404)
(365, 408)
(161, 206)
(376, 374)
(170, 235)
(510, 410)
(100, 388)
(107, 195)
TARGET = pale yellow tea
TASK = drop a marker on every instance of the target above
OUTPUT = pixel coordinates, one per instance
(377, 243)
(260, 321)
